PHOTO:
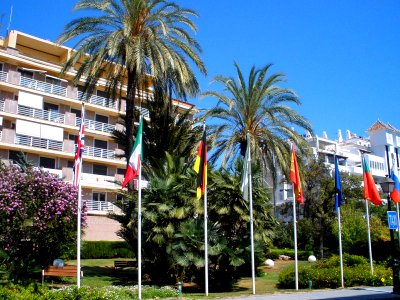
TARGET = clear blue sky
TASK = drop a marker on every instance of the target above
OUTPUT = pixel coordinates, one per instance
(342, 57)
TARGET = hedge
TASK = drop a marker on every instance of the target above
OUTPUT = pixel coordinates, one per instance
(326, 274)
(104, 249)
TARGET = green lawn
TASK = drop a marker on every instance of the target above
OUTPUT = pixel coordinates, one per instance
(100, 272)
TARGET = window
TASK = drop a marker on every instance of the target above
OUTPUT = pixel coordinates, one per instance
(100, 144)
(26, 73)
(101, 118)
(77, 112)
(70, 164)
(73, 137)
(46, 162)
(16, 156)
(121, 171)
(100, 170)
(1, 66)
(50, 106)
(99, 196)
(53, 80)
(101, 94)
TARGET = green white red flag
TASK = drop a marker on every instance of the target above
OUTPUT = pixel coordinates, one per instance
(135, 160)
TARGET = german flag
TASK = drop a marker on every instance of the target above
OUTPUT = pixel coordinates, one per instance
(200, 166)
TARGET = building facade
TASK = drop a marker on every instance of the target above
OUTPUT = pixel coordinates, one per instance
(40, 114)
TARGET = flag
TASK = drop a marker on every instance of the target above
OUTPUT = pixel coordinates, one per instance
(370, 190)
(338, 187)
(80, 148)
(200, 166)
(395, 195)
(244, 184)
(135, 159)
(295, 178)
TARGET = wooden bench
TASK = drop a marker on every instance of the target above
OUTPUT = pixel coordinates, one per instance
(67, 271)
(124, 264)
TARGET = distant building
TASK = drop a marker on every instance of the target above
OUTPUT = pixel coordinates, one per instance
(40, 114)
(349, 150)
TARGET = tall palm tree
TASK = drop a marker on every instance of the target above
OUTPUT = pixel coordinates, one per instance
(258, 107)
(131, 41)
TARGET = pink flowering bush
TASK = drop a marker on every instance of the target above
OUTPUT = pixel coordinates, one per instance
(38, 213)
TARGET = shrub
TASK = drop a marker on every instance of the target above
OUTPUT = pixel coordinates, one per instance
(34, 292)
(327, 274)
(104, 249)
(38, 213)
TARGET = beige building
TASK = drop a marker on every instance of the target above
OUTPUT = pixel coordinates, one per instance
(40, 116)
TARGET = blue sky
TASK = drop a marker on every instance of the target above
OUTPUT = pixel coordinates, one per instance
(340, 56)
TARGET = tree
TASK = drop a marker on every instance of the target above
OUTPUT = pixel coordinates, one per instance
(38, 215)
(258, 107)
(131, 42)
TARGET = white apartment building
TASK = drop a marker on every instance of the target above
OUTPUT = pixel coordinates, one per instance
(40, 117)
(349, 149)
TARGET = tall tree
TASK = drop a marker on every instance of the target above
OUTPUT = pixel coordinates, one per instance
(130, 42)
(257, 106)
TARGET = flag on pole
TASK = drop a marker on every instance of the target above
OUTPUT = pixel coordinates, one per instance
(244, 184)
(370, 191)
(295, 178)
(338, 186)
(395, 195)
(135, 159)
(200, 166)
(80, 148)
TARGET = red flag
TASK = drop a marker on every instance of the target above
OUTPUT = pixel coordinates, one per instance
(80, 148)
(370, 191)
(295, 178)
(200, 166)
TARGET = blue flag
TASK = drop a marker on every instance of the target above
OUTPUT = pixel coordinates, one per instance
(338, 186)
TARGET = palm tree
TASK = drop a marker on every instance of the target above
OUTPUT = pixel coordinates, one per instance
(258, 107)
(130, 42)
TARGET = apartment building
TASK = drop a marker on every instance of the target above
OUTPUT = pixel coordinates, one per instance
(383, 141)
(40, 114)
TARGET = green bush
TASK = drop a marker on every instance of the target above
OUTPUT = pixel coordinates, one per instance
(104, 249)
(35, 292)
(301, 255)
(326, 274)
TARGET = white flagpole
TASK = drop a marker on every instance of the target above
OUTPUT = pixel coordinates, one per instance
(253, 276)
(79, 216)
(296, 267)
(369, 238)
(205, 239)
(139, 258)
(340, 248)
(398, 220)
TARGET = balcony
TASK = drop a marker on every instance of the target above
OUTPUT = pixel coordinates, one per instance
(38, 142)
(3, 76)
(43, 86)
(99, 152)
(47, 115)
(92, 205)
(91, 124)
(94, 99)
(1, 105)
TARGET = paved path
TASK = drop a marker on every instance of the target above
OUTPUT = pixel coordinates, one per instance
(359, 293)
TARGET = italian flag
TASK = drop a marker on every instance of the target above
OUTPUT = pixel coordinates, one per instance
(135, 160)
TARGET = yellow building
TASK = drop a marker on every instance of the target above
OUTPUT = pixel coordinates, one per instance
(40, 114)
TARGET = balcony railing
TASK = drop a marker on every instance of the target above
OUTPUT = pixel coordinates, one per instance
(99, 152)
(48, 115)
(43, 86)
(98, 100)
(91, 124)
(1, 135)
(93, 205)
(38, 142)
(3, 76)
(1, 105)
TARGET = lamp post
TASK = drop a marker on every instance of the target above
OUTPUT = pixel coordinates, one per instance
(387, 186)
